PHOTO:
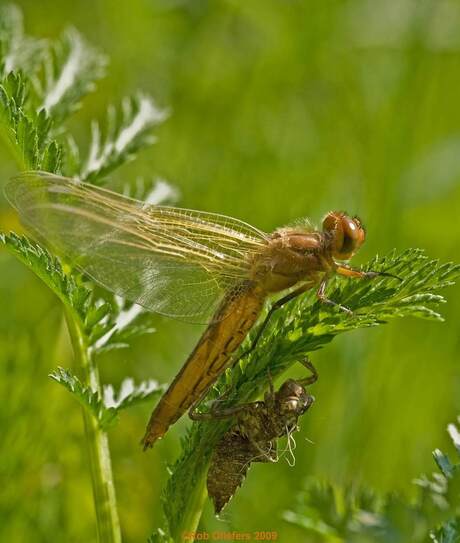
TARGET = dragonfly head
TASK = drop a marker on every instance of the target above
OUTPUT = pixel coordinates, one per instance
(346, 234)
(293, 399)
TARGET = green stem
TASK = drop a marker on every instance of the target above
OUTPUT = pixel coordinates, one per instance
(192, 514)
(108, 524)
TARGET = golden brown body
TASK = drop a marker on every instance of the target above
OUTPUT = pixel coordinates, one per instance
(279, 267)
(185, 264)
(210, 357)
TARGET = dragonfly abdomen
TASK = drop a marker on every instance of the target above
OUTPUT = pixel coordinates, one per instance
(232, 322)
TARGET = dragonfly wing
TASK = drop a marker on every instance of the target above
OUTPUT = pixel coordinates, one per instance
(172, 261)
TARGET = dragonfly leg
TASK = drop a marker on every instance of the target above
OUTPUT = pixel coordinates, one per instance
(314, 374)
(216, 413)
(321, 294)
(277, 305)
(194, 414)
(350, 272)
(269, 397)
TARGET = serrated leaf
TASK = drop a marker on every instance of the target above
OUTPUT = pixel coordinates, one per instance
(17, 51)
(52, 157)
(32, 110)
(106, 410)
(111, 347)
(357, 516)
(120, 337)
(128, 396)
(449, 533)
(131, 394)
(301, 327)
(96, 318)
(127, 130)
(454, 434)
(154, 191)
(443, 462)
(70, 70)
(27, 133)
(49, 269)
(98, 331)
(126, 326)
(426, 297)
(88, 398)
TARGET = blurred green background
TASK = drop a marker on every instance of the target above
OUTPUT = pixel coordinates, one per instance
(280, 109)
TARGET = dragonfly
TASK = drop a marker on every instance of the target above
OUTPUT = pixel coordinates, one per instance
(192, 265)
(253, 437)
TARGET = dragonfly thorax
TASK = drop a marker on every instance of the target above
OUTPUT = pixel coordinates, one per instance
(291, 256)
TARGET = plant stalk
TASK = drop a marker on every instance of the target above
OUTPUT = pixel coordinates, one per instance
(105, 504)
(189, 522)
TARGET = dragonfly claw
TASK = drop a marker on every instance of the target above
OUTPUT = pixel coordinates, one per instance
(372, 274)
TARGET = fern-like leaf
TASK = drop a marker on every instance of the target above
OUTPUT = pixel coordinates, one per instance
(128, 396)
(154, 191)
(97, 318)
(127, 130)
(17, 51)
(303, 326)
(33, 108)
(49, 269)
(70, 70)
(106, 409)
(88, 398)
(360, 516)
(131, 394)
(28, 135)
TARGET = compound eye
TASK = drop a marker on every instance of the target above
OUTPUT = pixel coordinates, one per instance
(346, 234)
(350, 235)
(353, 236)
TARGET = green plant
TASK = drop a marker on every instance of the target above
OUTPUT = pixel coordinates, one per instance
(299, 328)
(358, 515)
(41, 84)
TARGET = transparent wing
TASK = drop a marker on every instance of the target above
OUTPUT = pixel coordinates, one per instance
(174, 261)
